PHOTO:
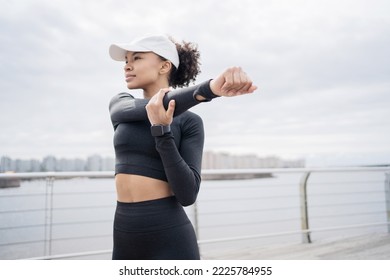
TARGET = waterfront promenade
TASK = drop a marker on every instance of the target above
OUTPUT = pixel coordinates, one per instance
(363, 247)
(375, 246)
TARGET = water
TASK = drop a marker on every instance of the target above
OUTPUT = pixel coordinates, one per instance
(83, 211)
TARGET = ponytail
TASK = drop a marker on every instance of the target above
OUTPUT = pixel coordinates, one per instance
(189, 66)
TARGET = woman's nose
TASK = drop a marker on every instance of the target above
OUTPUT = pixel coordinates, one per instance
(128, 66)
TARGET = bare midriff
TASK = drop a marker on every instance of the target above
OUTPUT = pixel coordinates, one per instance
(136, 188)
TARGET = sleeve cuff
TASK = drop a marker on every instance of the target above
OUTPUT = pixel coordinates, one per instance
(205, 91)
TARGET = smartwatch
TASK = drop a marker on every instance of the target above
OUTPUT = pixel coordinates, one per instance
(160, 130)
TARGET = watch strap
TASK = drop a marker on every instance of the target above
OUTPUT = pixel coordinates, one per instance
(160, 130)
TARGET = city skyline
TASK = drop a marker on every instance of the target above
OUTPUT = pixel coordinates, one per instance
(96, 162)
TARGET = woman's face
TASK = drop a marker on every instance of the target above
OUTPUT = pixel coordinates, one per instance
(142, 69)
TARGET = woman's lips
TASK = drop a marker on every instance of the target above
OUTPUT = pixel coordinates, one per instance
(129, 78)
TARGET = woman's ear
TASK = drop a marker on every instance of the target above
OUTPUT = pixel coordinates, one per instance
(166, 67)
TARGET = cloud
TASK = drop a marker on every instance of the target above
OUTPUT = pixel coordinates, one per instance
(321, 66)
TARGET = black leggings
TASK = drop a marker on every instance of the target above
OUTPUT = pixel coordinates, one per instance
(153, 230)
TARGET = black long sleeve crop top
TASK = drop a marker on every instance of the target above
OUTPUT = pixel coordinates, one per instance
(175, 157)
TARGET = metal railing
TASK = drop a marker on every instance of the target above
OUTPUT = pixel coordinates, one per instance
(197, 212)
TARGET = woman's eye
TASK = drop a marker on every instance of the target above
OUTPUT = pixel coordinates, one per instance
(137, 57)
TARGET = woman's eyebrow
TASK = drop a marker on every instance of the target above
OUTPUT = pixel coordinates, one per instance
(136, 53)
(132, 54)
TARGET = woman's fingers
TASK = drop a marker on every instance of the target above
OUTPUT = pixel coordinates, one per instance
(235, 82)
(157, 98)
(171, 109)
(156, 111)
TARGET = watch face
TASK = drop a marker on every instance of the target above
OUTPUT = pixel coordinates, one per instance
(157, 130)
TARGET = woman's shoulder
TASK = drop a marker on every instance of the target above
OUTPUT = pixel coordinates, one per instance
(122, 95)
(189, 121)
(189, 124)
(189, 116)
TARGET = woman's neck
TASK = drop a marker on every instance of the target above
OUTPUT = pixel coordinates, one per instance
(153, 89)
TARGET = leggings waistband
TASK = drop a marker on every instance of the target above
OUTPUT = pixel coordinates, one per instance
(151, 215)
(149, 203)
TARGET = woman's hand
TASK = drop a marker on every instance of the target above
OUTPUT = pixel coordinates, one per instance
(156, 111)
(232, 82)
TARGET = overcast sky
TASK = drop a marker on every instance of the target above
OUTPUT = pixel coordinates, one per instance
(322, 67)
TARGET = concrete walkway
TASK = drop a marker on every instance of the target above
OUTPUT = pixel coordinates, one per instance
(366, 247)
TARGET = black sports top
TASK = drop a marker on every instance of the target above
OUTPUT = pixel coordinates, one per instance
(175, 157)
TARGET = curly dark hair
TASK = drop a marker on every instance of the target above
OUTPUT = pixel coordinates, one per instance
(189, 66)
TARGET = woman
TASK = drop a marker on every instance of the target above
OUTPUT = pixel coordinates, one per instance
(158, 146)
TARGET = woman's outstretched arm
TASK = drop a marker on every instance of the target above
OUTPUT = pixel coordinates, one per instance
(232, 82)
(125, 108)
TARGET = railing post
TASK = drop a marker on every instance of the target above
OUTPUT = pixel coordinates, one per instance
(196, 219)
(387, 194)
(49, 215)
(304, 209)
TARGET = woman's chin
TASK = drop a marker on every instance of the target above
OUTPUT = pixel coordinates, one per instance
(131, 85)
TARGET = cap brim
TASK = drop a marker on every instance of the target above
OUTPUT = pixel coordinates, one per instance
(119, 52)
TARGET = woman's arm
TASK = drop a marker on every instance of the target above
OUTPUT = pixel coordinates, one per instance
(183, 166)
(125, 108)
(232, 82)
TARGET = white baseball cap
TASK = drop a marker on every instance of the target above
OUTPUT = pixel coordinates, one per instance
(159, 44)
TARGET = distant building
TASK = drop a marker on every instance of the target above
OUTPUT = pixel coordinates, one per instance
(49, 164)
(212, 160)
(94, 163)
(98, 163)
(75, 164)
(108, 164)
(6, 164)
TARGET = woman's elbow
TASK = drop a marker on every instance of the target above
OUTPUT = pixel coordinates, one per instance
(188, 198)
(187, 201)
(187, 190)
